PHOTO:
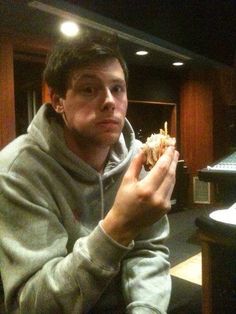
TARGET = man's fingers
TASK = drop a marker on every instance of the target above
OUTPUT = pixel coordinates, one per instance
(159, 171)
(135, 166)
(166, 158)
(167, 186)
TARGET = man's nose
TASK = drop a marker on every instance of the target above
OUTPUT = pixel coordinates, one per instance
(108, 102)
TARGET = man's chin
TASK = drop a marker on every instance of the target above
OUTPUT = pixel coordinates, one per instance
(102, 139)
(110, 139)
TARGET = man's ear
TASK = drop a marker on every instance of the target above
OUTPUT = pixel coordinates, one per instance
(57, 102)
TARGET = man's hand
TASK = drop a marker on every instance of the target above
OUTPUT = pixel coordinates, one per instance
(140, 203)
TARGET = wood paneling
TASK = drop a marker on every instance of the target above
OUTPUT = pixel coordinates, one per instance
(7, 102)
(204, 105)
(196, 119)
(27, 43)
(205, 97)
(222, 97)
(45, 94)
(196, 123)
(15, 47)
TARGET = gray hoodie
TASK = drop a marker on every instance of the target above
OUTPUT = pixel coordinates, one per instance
(54, 255)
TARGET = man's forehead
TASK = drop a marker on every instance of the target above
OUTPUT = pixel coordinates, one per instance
(110, 69)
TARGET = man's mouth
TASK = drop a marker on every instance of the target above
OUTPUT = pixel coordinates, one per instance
(109, 122)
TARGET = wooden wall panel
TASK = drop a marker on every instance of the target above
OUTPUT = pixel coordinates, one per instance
(196, 120)
(15, 46)
(45, 94)
(7, 102)
(27, 43)
(222, 97)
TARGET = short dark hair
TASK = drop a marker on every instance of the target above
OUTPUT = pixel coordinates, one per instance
(72, 54)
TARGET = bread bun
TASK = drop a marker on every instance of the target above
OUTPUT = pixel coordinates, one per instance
(156, 145)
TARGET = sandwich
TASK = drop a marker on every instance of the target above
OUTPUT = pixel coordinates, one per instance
(156, 145)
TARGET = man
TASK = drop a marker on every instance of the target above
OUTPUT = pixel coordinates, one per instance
(81, 223)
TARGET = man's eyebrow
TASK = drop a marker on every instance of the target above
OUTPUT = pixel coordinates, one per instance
(84, 76)
(95, 77)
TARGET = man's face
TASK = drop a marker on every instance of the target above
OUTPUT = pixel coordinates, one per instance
(95, 103)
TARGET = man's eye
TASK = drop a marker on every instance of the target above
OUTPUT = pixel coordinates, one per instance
(88, 90)
(118, 89)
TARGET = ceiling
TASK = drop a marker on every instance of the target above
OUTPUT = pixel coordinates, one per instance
(206, 27)
(161, 26)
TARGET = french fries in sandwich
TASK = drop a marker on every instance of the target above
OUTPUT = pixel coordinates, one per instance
(156, 145)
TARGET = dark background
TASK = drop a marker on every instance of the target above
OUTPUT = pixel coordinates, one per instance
(207, 27)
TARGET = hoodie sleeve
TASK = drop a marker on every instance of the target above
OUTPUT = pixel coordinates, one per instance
(38, 273)
(146, 279)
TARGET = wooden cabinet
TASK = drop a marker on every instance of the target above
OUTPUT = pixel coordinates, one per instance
(148, 117)
(28, 91)
(218, 266)
(16, 48)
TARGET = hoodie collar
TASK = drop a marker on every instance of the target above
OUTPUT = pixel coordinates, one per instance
(47, 132)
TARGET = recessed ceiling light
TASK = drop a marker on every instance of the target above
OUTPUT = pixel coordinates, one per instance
(178, 64)
(141, 52)
(69, 28)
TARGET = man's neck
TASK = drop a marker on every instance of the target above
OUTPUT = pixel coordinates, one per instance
(94, 155)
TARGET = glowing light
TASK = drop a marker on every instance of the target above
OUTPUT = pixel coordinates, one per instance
(178, 64)
(141, 52)
(69, 29)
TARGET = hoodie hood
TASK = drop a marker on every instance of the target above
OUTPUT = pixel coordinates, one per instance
(46, 130)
